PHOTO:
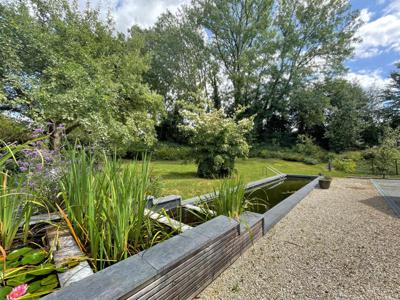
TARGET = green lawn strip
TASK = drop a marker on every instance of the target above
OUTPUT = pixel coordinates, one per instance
(179, 177)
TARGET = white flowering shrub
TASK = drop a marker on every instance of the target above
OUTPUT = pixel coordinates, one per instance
(217, 139)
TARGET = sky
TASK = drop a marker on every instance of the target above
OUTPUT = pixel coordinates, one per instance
(374, 57)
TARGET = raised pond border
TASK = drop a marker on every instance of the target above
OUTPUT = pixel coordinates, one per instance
(182, 266)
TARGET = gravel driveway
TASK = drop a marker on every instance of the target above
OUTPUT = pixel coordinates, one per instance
(341, 243)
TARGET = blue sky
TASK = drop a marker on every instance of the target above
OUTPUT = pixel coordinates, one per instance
(380, 47)
(374, 57)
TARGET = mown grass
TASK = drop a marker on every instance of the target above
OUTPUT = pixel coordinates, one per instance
(179, 178)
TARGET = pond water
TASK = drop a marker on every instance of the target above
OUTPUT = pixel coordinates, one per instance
(187, 216)
(264, 198)
(260, 199)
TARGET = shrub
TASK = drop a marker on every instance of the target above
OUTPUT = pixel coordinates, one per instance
(168, 151)
(217, 139)
(306, 145)
(12, 131)
(386, 154)
(311, 161)
(345, 165)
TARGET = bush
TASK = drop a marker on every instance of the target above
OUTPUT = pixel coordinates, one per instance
(345, 165)
(169, 151)
(217, 139)
(306, 145)
(311, 161)
(12, 131)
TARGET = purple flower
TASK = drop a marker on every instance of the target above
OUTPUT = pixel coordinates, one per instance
(38, 131)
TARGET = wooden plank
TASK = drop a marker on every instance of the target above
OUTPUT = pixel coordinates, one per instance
(167, 221)
(64, 247)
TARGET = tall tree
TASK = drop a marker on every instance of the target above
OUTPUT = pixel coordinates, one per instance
(314, 37)
(345, 118)
(241, 34)
(88, 78)
(391, 103)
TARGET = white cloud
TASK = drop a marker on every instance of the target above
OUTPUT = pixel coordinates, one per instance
(140, 12)
(379, 35)
(368, 79)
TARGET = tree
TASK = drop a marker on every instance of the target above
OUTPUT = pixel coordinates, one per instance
(391, 101)
(181, 67)
(240, 33)
(88, 79)
(345, 117)
(387, 153)
(217, 139)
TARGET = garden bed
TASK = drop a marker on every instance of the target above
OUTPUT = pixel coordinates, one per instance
(183, 265)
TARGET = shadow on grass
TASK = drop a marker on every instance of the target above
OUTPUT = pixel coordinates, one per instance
(180, 175)
(379, 203)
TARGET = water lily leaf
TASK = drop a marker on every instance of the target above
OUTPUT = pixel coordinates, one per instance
(49, 280)
(43, 269)
(47, 288)
(34, 286)
(34, 258)
(16, 254)
(4, 291)
(20, 280)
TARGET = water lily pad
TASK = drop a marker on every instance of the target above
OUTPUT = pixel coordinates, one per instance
(34, 258)
(49, 280)
(16, 254)
(34, 286)
(43, 269)
(4, 291)
(20, 280)
(47, 288)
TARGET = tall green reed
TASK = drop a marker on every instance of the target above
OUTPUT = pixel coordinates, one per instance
(15, 200)
(105, 200)
(230, 198)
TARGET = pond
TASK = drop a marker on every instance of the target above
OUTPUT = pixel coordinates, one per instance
(265, 197)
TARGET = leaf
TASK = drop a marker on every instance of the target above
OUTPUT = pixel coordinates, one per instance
(51, 279)
(20, 280)
(16, 254)
(34, 258)
(4, 291)
(34, 286)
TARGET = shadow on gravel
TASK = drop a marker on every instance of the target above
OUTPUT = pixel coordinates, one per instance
(380, 204)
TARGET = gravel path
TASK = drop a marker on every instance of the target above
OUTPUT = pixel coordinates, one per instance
(341, 243)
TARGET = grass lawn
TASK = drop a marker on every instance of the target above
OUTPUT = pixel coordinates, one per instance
(179, 178)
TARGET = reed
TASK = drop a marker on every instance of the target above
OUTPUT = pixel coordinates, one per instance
(15, 200)
(105, 201)
(230, 198)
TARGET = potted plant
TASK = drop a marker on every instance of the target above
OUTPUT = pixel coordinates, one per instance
(325, 182)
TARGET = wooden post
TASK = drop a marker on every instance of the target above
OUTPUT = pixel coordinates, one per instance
(397, 168)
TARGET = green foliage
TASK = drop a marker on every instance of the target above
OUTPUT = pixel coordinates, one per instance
(169, 151)
(306, 145)
(230, 200)
(30, 266)
(217, 139)
(78, 74)
(12, 131)
(345, 165)
(15, 209)
(16, 200)
(391, 108)
(106, 203)
(345, 118)
(384, 156)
